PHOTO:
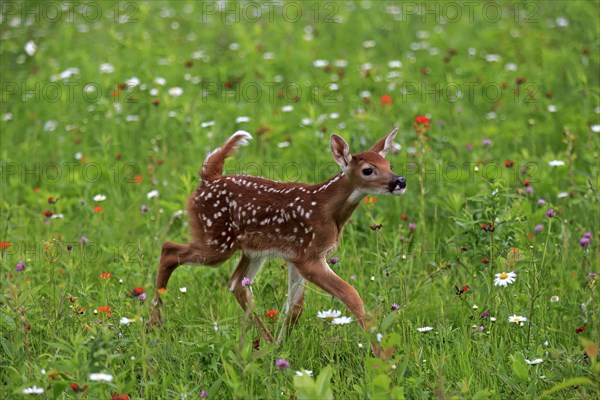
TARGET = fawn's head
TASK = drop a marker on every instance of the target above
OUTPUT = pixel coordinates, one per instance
(369, 172)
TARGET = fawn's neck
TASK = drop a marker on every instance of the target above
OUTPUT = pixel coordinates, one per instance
(340, 198)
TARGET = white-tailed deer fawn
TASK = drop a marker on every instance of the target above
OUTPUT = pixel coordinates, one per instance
(298, 222)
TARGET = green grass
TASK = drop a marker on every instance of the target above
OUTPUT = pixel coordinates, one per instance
(205, 343)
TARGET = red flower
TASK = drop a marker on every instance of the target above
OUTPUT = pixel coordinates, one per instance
(509, 163)
(52, 200)
(105, 309)
(485, 260)
(5, 245)
(386, 99)
(138, 179)
(105, 275)
(421, 124)
(271, 313)
(119, 397)
(404, 217)
(98, 209)
(369, 200)
(376, 227)
(48, 213)
(580, 329)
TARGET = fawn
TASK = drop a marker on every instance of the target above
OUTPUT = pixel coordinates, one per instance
(298, 222)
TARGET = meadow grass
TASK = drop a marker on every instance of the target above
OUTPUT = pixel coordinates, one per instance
(124, 100)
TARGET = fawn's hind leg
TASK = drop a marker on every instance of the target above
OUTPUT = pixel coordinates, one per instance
(172, 256)
(248, 267)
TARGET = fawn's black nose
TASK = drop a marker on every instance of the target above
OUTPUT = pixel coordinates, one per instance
(401, 182)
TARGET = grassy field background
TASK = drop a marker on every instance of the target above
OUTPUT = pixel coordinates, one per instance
(124, 99)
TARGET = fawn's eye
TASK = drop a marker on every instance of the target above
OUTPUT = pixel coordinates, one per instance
(367, 171)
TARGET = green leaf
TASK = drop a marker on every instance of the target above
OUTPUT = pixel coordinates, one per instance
(519, 367)
(375, 364)
(565, 384)
(397, 393)
(390, 340)
(382, 380)
(59, 387)
(324, 383)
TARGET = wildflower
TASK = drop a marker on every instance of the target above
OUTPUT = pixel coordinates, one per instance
(485, 314)
(105, 309)
(517, 319)
(369, 200)
(404, 217)
(341, 321)
(33, 390)
(505, 278)
(306, 372)
(105, 275)
(486, 142)
(76, 388)
(5, 245)
(541, 202)
(509, 163)
(101, 377)
(99, 197)
(183, 289)
(556, 163)
(329, 315)
(246, 282)
(119, 397)
(175, 91)
(421, 124)
(386, 99)
(125, 321)
(534, 362)
(379, 337)
(152, 194)
(394, 307)
(20, 266)
(425, 329)
(48, 213)
(376, 227)
(52, 200)
(98, 209)
(30, 49)
(334, 260)
(142, 297)
(136, 292)
(538, 228)
(554, 299)
(412, 227)
(469, 147)
(587, 235)
(584, 242)
(550, 213)
(485, 260)
(282, 364)
(83, 240)
(580, 329)
(203, 394)
(144, 208)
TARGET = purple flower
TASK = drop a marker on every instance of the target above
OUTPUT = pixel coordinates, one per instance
(394, 307)
(282, 363)
(20, 266)
(469, 147)
(550, 213)
(412, 227)
(144, 208)
(541, 202)
(587, 235)
(83, 240)
(486, 142)
(592, 275)
(203, 394)
(334, 260)
(584, 242)
(485, 314)
(142, 297)
(529, 189)
(246, 282)
(538, 228)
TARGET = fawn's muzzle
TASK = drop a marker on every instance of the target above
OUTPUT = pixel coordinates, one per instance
(398, 185)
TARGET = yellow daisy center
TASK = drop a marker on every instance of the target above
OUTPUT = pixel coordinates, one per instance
(503, 275)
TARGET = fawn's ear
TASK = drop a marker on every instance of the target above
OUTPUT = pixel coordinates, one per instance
(341, 151)
(384, 144)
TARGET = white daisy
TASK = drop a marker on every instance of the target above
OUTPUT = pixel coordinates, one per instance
(562, 195)
(425, 329)
(517, 319)
(379, 337)
(595, 128)
(504, 278)
(556, 163)
(241, 119)
(534, 362)
(554, 299)
(329, 315)
(33, 390)
(152, 194)
(99, 197)
(101, 377)
(287, 108)
(183, 289)
(342, 321)
(306, 372)
(30, 48)
(106, 68)
(125, 321)
(175, 91)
